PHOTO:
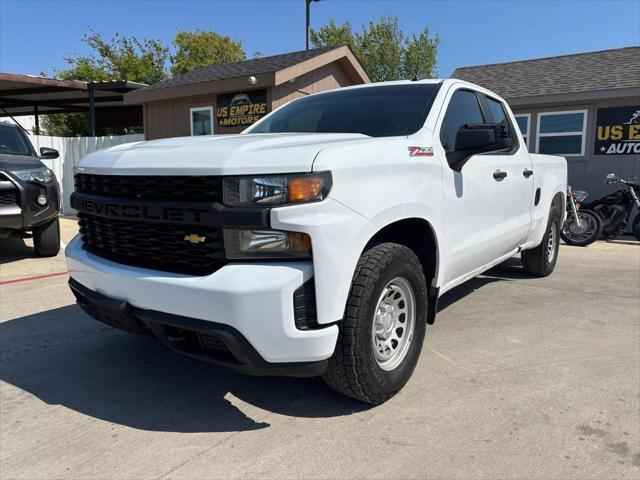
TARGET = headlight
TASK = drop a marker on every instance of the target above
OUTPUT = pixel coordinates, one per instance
(276, 189)
(260, 244)
(42, 175)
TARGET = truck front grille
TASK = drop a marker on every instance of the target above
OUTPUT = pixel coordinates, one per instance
(193, 250)
(178, 246)
(152, 187)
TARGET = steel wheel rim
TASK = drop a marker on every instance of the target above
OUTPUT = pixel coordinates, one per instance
(393, 323)
(551, 242)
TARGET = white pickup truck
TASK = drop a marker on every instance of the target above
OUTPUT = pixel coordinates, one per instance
(319, 240)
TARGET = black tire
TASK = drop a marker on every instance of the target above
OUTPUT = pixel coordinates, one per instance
(46, 239)
(353, 369)
(636, 227)
(540, 261)
(581, 239)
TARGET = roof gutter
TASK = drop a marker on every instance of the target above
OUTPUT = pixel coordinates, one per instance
(573, 97)
(137, 97)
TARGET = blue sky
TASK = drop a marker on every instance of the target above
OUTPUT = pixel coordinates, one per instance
(35, 36)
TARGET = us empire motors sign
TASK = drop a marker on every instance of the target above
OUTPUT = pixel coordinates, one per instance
(618, 131)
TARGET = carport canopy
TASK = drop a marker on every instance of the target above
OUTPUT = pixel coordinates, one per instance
(30, 95)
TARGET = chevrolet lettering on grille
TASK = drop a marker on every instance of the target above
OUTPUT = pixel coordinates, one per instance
(141, 212)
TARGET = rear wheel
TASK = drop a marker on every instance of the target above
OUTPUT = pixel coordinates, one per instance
(583, 232)
(46, 239)
(636, 227)
(541, 260)
(383, 329)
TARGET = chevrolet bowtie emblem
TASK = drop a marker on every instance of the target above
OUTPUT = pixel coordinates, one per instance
(194, 238)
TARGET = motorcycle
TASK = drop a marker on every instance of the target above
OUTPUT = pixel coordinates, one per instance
(582, 227)
(615, 209)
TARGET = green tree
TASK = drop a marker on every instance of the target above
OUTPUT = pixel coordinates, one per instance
(333, 35)
(119, 58)
(200, 48)
(383, 49)
(144, 61)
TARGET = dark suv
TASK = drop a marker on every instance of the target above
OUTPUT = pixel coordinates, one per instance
(29, 192)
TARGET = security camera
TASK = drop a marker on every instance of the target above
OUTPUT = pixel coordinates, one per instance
(253, 80)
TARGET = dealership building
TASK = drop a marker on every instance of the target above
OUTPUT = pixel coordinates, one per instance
(230, 97)
(585, 107)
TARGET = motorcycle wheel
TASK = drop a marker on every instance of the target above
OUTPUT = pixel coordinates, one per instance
(636, 227)
(584, 232)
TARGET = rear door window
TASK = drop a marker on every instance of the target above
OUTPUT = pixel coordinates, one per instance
(498, 114)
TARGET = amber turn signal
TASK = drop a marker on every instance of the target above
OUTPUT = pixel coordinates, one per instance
(305, 189)
(299, 242)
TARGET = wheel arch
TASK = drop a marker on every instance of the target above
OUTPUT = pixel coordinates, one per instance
(419, 235)
(558, 202)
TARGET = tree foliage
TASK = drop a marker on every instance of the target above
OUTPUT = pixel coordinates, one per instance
(144, 61)
(200, 48)
(383, 49)
(120, 58)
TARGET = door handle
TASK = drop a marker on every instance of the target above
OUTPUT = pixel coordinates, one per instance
(527, 173)
(499, 175)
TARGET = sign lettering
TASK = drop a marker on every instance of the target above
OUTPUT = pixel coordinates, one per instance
(618, 131)
(241, 109)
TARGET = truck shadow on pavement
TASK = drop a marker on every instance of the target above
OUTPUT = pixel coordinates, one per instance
(63, 357)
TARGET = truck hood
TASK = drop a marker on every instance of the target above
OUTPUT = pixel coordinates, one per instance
(215, 155)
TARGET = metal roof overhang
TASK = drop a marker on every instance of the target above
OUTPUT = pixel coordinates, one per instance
(29, 95)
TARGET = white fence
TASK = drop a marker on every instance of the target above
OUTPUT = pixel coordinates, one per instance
(72, 149)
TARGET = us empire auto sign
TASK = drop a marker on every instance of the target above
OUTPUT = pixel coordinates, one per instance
(618, 131)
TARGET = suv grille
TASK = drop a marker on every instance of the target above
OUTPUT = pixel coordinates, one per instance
(8, 191)
(8, 198)
(153, 245)
(148, 244)
(157, 187)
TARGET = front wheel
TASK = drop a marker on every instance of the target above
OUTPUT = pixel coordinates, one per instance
(46, 239)
(541, 260)
(384, 325)
(583, 232)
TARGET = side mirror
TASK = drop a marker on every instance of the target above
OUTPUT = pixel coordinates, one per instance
(475, 138)
(611, 178)
(48, 153)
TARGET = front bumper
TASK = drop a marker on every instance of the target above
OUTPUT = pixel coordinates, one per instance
(207, 341)
(254, 300)
(26, 213)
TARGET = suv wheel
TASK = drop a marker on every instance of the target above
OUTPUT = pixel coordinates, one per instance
(383, 329)
(46, 239)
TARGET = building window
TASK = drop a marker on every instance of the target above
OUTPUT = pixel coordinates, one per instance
(201, 121)
(562, 133)
(524, 122)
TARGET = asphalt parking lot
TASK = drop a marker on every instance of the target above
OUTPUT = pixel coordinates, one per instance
(519, 378)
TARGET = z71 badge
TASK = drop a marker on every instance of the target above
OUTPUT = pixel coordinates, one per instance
(420, 151)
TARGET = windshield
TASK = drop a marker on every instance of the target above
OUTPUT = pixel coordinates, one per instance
(12, 141)
(378, 111)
